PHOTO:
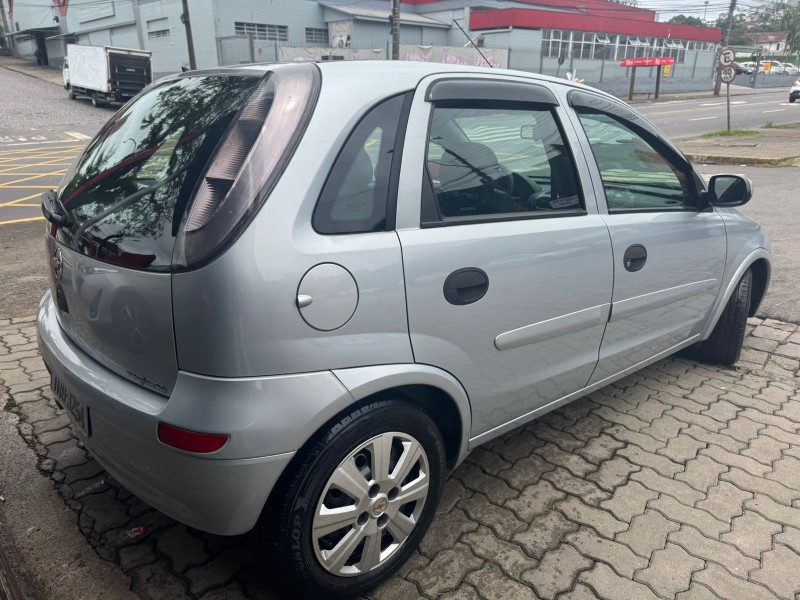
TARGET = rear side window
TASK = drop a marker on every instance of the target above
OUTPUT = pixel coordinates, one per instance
(499, 160)
(127, 193)
(355, 198)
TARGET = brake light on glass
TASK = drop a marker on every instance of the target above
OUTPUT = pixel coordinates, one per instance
(191, 441)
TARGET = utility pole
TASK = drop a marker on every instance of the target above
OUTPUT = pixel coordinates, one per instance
(5, 22)
(726, 35)
(395, 29)
(189, 42)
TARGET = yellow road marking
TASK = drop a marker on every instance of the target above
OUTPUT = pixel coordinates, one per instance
(22, 220)
(52, 163)
(25, 187)
(14, 202)
(37, 176)
(42, 174)
(29, 150)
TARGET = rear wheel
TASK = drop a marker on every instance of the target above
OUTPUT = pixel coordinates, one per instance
(97, 101)
(792, 99)
(725, 343)
(359, 502)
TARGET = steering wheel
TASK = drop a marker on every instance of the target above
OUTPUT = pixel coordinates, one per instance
(540, 200)
(503, 185)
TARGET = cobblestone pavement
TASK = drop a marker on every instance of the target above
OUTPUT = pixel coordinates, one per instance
(682, 481)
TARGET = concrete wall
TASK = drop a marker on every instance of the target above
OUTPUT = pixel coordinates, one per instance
(169, 51)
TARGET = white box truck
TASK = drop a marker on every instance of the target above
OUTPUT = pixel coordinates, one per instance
(106, 75)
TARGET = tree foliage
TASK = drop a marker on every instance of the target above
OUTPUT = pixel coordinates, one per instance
(684, 20)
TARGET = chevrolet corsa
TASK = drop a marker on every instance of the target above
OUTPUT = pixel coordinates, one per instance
(294, 297)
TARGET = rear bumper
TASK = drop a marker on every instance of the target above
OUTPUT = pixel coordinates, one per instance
(222, 492)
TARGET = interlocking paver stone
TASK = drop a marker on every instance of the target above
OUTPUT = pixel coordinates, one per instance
(493, 584)
(661, 464)
(535, 500)
(507, 555)
(611, 586)
(576, 486)
(545, 533)
(779, 571)
(445, 572)
(613, 473)
(629, 501)
(728, 587)
(618, 556)
(445, 532)
(501, 520)
(580, 592)
(556, 572)
(647, 532)
(725, 501)
(602, 521)
(706, 548)
(751, 533)
(669, 571)
(677, 489)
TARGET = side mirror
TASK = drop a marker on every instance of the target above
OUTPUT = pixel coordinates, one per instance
(729, 190)
(526, 132)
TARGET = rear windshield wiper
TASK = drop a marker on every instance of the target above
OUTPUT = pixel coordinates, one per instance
(54, 210)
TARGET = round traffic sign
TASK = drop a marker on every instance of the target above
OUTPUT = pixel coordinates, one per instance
(726, 57)
(727, 74)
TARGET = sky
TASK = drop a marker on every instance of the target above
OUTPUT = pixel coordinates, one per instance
(695, 8)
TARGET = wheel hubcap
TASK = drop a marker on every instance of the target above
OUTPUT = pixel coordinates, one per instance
(371, 503)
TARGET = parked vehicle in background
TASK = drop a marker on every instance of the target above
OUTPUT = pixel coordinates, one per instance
(790, 69)
(294, 297)
(105, 74)
(794, 92)
(744, 68)
(771, 67)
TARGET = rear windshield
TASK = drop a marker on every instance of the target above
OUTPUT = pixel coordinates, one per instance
(127, 193)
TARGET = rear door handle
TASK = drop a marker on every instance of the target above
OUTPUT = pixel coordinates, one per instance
(634, 258)
(465, 286)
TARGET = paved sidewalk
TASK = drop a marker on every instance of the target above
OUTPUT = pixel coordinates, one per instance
(775, 146)
(27, 67)
(679, 482)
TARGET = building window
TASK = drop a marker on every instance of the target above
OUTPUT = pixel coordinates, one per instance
(636, 47)
(158, 33)
(263, 31)
(158, 28)
(317, 36)
(555, 43)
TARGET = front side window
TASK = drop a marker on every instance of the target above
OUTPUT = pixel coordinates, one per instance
(636, 176)
(500, 159)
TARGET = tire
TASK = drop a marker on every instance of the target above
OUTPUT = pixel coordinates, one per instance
(97, 102)
(291, 520)
(72, 95)
(792, 99)
(725, 343)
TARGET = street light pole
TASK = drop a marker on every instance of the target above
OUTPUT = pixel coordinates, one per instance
(189, 41)
(395, 29)
(705, 10)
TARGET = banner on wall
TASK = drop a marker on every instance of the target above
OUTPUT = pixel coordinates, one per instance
(496, 57)
(291, 54)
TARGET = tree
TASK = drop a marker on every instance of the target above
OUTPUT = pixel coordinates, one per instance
(684, 20)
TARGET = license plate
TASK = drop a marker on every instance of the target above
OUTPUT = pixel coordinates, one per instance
(78, 412)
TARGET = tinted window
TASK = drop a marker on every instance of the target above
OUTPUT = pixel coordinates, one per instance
(356, 194)
(127, 192)
(500, 161)
(635, 175)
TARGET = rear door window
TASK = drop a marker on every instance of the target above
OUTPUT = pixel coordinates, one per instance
(127, 193)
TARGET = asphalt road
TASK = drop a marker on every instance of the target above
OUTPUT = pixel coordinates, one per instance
(689, 118)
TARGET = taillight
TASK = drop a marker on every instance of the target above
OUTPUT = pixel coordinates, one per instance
(250, 159)
(191, 441)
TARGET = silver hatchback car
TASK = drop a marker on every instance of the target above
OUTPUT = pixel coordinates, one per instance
(293, 297)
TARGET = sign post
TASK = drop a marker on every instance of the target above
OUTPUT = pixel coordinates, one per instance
(656, 61)
(727, 74)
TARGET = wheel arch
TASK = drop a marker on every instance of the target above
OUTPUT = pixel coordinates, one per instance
(761, 262)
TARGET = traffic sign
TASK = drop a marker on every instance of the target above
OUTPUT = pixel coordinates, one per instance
(727, 74)
(726, 57)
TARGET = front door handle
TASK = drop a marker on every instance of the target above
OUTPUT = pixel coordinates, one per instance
(465, 286)
(634, 258)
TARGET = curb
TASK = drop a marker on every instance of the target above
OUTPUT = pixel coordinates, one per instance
(712, 159)
(31, 75)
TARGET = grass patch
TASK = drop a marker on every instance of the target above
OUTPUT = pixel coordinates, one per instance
(771, 125)
(731, 133)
